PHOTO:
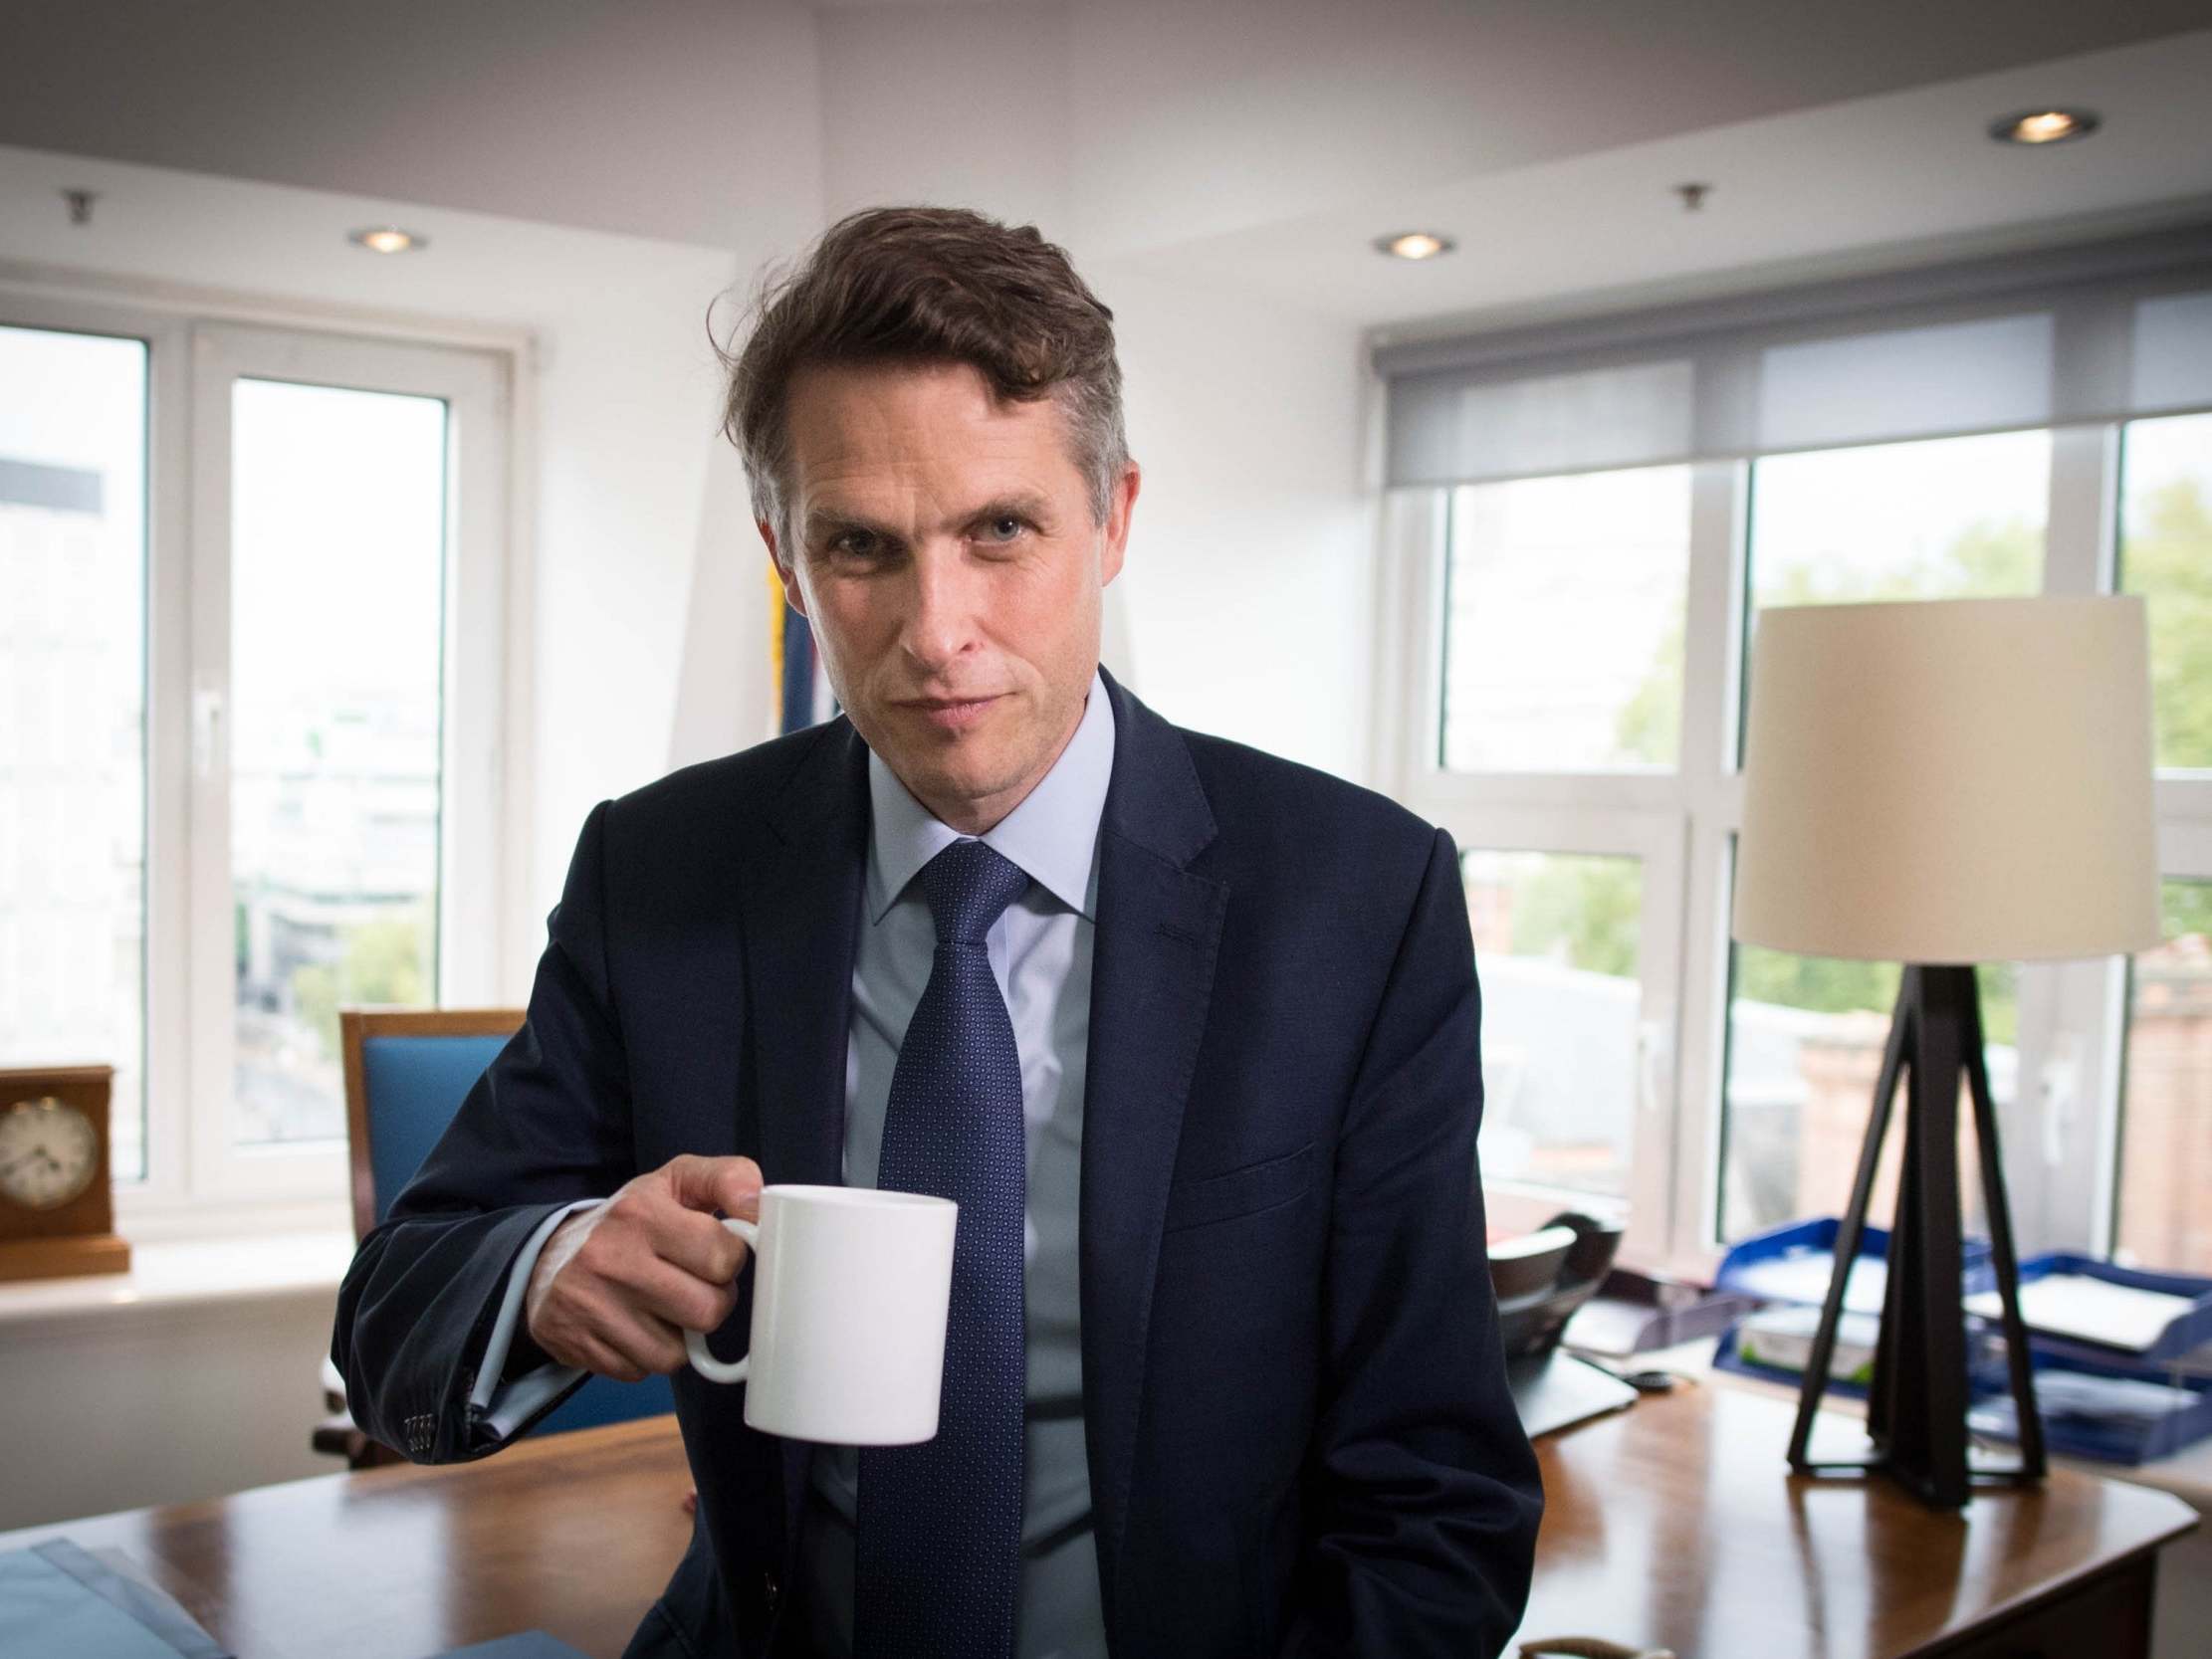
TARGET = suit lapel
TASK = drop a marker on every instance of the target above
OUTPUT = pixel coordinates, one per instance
(1152, 976)
(802, 927)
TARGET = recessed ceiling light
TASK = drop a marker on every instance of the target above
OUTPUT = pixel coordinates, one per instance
(2043, 127)
(389, 239)
(1414, 245)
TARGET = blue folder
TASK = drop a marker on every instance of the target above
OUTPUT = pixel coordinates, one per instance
(56, 1599)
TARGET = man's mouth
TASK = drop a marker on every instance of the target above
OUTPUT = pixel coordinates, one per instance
(949, 714)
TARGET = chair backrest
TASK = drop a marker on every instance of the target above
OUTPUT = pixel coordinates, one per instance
(407, 1071)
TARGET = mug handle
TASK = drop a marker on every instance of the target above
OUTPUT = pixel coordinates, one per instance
(695, 1341)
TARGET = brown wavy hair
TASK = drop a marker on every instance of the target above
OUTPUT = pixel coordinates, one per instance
(926, 285)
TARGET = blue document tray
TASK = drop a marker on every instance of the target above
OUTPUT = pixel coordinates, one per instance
(1985, 1366)
(2189, 1330)
(1794, 1262)
(2124, 1438)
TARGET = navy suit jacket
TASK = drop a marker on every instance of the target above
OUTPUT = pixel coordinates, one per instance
(1299, 1434)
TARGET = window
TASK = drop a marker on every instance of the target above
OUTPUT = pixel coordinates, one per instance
(338, 591)
(1563, 636)
(1555, 706)
(1944, 518)
(253, 733)
(73, 534)
(2166, 557)
(1558, 940)
(2165, 1166)
(1582, 524)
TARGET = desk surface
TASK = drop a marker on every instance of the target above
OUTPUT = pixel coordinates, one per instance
(1672, 1522)
(1677, 1524)
(574, 1533)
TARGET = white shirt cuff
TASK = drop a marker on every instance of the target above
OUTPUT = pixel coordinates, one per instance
(503, 1407)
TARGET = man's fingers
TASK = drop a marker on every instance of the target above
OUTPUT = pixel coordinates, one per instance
(603, 1358)
(702, 1247)
(691, 1302)
(728, 1184)
(637, 1344)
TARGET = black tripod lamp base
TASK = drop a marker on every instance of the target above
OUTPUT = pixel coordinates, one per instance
(1916, 1406)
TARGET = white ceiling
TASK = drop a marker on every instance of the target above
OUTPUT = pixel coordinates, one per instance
(1250, 145)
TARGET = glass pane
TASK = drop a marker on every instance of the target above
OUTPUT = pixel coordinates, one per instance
(1805, 1043)
(73, 538)
(1563, 633)
(2166, 1115)
(1948, 519)
(1556, 945)
(337, 561)
(2167, 555)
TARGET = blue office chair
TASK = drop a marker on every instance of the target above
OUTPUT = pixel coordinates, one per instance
(406, 1073)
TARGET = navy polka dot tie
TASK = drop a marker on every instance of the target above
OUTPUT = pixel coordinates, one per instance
(938, 1537)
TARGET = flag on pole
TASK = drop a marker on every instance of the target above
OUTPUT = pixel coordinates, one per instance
(791, 661)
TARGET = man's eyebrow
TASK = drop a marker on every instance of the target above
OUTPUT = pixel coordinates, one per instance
(1021, 504)
(820, 524)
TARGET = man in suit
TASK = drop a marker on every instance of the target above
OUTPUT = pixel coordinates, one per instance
(1190, 1032)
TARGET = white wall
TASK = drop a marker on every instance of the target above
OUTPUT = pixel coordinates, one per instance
(112, 1409)
(1250, 571)
(627, 410)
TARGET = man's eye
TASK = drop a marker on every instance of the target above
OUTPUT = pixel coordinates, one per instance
(862, 544)
(1005, 528)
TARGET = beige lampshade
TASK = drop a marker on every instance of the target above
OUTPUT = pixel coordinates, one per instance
(1961, 781)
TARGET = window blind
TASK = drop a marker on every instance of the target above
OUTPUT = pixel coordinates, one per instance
(2094, 332)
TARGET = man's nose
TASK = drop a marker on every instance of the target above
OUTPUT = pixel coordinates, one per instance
(940, 621)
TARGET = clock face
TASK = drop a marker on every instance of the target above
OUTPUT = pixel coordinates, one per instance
(49, 1152)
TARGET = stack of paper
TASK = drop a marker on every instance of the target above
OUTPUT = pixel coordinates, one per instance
(1782, 1337)
(2090, 1310)
(2122, 1401)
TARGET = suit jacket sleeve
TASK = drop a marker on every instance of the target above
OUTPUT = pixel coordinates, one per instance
(1424, 1490)
(547, 1123)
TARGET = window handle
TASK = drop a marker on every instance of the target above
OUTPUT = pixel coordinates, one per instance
(2060, 1077)
(207, 732)
(1655, 1055)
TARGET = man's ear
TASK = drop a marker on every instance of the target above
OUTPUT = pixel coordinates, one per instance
(1118, 510)
(784, 573)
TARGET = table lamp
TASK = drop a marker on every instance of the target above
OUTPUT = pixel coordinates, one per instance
(1940, 783)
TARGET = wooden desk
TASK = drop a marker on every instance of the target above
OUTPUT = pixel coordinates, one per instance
(1672, 1523)
(574, 1535)
(1677, 1524)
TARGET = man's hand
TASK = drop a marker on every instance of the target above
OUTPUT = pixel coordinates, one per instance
(615, 1287)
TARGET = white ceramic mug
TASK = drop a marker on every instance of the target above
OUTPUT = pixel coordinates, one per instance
(850, 1286)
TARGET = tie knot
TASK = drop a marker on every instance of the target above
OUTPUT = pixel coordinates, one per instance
(968, 884)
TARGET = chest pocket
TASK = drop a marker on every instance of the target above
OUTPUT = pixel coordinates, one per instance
(1237, 1192)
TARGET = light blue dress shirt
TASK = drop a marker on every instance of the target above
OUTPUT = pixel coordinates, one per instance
(1041, 953)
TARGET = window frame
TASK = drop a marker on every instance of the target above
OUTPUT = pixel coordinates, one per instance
(1639, 814)
(198, 1182)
